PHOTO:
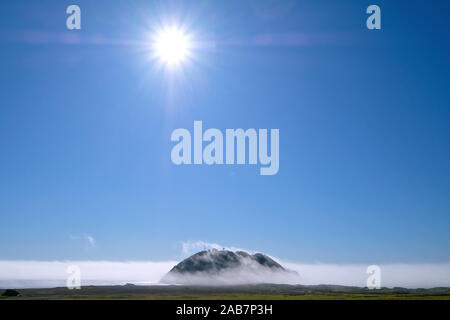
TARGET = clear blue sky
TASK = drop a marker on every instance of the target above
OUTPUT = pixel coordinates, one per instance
(86, 118)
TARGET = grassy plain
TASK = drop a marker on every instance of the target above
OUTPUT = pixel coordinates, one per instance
(244, 292)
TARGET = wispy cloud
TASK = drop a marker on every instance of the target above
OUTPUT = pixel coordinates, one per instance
(88, 238)
(191, 247)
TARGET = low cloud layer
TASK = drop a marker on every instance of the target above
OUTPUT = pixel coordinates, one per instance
(34, 274)
(22, 274)
(392, 275)
(233, 277)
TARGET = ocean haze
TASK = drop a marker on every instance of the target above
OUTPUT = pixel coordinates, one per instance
(32, 274)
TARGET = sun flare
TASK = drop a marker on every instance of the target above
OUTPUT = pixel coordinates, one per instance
(172, 46)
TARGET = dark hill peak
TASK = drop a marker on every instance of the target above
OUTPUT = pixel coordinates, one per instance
(225, 266)
(217, 260)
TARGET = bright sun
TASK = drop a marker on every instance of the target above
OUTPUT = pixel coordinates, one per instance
(171, 46)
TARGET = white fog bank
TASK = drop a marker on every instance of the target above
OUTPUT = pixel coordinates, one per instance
(32, 274)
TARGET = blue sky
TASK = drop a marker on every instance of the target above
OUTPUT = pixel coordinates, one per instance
(86, 119)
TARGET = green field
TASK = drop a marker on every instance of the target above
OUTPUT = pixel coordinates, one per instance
(244, 292)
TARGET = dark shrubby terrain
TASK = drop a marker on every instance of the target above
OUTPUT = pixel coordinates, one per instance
(244, 292)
